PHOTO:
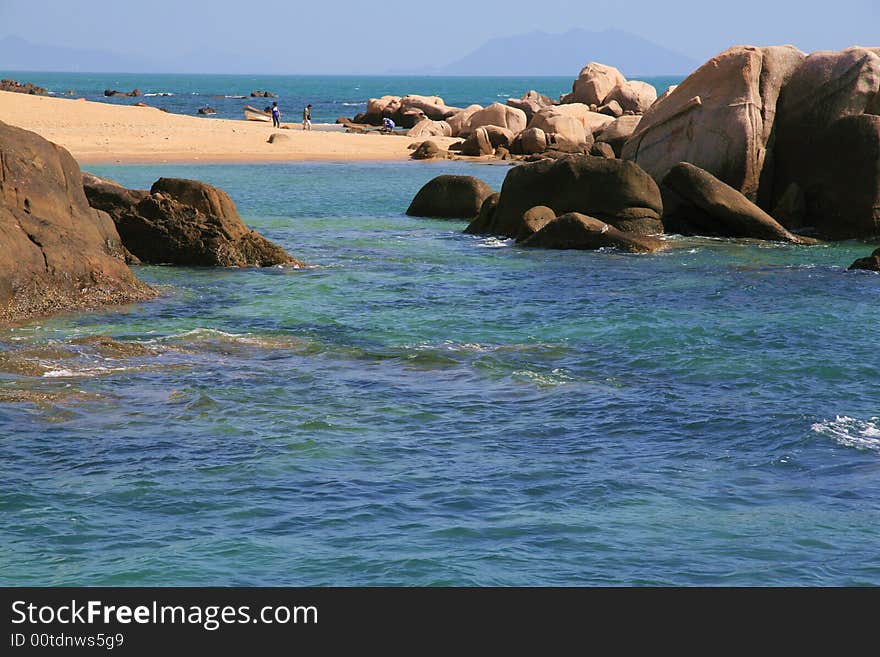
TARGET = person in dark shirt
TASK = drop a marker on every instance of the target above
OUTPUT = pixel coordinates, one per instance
(307, 117)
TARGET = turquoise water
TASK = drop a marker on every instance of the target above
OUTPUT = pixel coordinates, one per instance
(331, 96)
(427, 407)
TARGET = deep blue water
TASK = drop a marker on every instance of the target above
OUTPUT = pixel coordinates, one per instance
(427, 407)
(330, 96)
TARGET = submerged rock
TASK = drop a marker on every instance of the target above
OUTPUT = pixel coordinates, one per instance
(450, 197)
(870, 263)
(58, 253)
(183, 222)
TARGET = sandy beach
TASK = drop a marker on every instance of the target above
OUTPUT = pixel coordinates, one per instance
(103, 133)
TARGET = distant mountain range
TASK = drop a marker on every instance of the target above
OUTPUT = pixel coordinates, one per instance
(532, 54)
(17, 54)
(539, 53)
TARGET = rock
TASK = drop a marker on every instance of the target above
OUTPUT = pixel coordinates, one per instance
(452, 197)
(204, 110)
(574, 230)
(870, 263)
(721, 119)
(633, 96)
(130, 94)
(710, 207)
(429, 128)
(611, 108)
(591, 121)
(603, 149)
(460, 121)
(533, 220)
(22, 88)
(842, 186)
(569, 131)
(825, 88)
(502, 153)
(500, 115)
(532, 140)
(342, 120)
(433, 107)
(618, 132)
(483, 221)
(595, 82)
(58, 253)
(277, 137)
(140, 105)
(183, 222)
(429, 150)
(791, 209)
(615, 191)
(530, 103)
(478, 144)
(263, 94)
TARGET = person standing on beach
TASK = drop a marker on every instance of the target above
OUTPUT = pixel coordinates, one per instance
(276, 116)
(307, 117)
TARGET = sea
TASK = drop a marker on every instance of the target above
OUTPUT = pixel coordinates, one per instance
(419, 406)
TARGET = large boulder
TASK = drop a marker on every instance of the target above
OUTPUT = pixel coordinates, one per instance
(841, 182)
(532, 140)
(633, 96)
(568, 129)
(710, 207)
(615, 191)
(618, 132)
(450, 197)
(594, 83)
(58, 253)
(429, 128)
(721, 118)
(483, 221)
(533, 220)
(183, 222)
(870, 263)
(530, 103)
(578, 231)
(434, 107)
(430, 150)
(459, 122)
(592, 122)
(501, 115)
(478, 143)
(22, 88)
(826, 88)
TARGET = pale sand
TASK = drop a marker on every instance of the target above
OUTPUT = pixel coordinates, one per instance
(105, 133)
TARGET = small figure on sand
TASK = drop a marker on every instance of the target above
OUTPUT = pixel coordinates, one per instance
(276, 116)
(387, 125)
(307, 117)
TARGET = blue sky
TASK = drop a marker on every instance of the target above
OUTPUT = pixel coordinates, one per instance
(343, 36)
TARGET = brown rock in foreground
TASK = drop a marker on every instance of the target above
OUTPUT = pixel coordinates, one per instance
(617, 192)
(58, 254)
(183, 222)
(450, 197)
(577, 231)
(710, 207)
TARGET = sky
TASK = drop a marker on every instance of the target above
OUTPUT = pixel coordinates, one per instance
(362, 37)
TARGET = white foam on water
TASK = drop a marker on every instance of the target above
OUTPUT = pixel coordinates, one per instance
(85, 372)
(851, 432)
(495, 243)
(160, 93)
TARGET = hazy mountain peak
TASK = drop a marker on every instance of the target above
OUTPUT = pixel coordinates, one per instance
(543, 53)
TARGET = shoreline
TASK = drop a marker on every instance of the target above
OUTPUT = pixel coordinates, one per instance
(104, 133)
